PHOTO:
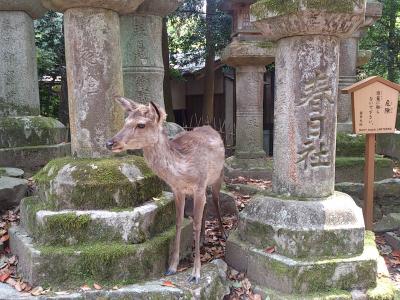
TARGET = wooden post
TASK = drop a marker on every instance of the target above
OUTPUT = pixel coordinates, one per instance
(369, 176)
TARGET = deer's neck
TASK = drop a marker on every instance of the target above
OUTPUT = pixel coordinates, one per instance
(161, 158)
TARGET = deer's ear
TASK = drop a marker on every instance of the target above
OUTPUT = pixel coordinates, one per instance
(159, 112)
(126, 103)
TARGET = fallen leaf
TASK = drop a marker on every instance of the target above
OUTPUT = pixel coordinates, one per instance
(4, 277)
(4, 238)
(168, 283)
(37, 291)
(270, 250)
(19, 287)
(396, 253)
(97, 286)
(115, 287)
(85, 288)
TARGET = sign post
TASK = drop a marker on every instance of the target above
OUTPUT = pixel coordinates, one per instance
(374, 102)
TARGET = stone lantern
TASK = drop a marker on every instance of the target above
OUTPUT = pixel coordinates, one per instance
(248, 53)
(305, 238)
(27, 140)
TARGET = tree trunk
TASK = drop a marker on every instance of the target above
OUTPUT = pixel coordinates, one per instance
(208, 100)
(167, 79)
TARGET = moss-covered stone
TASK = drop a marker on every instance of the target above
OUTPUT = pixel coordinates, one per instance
(31, 131)
(261, 8)
(14, 109)
(122, 182)
(384, 290)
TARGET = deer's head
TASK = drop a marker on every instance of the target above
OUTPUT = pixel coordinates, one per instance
(142, 127)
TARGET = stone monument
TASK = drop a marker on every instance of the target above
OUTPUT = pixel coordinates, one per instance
(27, 140)
(305, 238)
(95, 217)
(249, 54)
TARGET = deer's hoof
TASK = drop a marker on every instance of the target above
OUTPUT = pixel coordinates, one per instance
(193, 279)
(170, 272)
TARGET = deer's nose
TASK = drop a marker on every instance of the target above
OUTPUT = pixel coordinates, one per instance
(109, 145)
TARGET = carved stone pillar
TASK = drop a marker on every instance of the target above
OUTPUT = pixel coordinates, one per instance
(142, 61)
(310, 226)
(93, 57)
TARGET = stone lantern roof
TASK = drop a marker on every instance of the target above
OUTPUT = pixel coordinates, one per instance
(34, 8)
(120, 6)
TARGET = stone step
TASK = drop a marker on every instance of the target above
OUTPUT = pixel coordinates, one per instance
(12, 190)
(31, 131)
(71, 227)
(107, 263)
(12, 172)
(97, 184)
(212, 287)
(286, 275)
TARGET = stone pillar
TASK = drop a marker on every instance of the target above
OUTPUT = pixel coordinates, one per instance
(94, 70)
(310, 227)
(27, 139)
(141, 42)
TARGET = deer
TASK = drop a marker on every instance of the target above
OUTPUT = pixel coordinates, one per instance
(188, 163)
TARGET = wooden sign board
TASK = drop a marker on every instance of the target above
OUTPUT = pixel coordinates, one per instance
(374, 102)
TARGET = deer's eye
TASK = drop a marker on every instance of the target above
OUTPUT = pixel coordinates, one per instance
(140, 125)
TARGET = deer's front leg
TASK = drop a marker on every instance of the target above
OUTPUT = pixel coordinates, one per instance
(180, 207)
(198, 208)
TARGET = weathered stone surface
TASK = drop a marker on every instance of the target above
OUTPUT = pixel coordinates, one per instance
(70, 227)
(389, 144)
(12, 172)
(364, 56)
(387, 223)
(303, 276)
(244, 53)
(173, 129)
(19, 93)
(120, 6)
(105, 263)
(33, 7)
(85, 184)
(211, 288)
(12, 190)
(296, 227)
(158, 8)
(31, 131)
(259, 168)
(32, 158)
(393, 239)
(142, 60)
(95, 75)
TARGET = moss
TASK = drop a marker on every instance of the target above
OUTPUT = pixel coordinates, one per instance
(13, 109)
(350, 145)
(2, 172)
(282, 7)
(384, 290)
(349, 162)
(266, 45)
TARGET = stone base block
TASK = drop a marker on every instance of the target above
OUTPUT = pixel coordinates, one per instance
(211, 287)
(304, 229)
(92, 184)
(34, 157)
(389, 144)
(345, 127)
(258, 168)
(71, 227)
(293, 276)
(107, 263)
(31, 131)
(12, 190)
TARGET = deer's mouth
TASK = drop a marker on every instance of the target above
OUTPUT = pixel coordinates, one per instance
(117, 149)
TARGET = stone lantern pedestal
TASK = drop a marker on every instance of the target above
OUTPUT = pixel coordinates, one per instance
(249, 59)
(27, 140)
(317, 235)
(95, 216)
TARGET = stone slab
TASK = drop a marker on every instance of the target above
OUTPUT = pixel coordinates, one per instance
(122, 7)
(253, 168)
(389, 144)
(34, 157)
(287, 275)
(31, 131)
(104, 263)
(295, 227)
(12, 172)
(212, 287)
(393, 240)
(12, 190)
(93, 184)
(71, 227)
(33, 7)
(158, 8)
(247, 53)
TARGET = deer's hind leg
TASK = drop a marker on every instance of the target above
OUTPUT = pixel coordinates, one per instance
(216, 187)
(180, 209)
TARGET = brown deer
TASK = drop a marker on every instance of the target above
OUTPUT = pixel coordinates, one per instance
(188, 163)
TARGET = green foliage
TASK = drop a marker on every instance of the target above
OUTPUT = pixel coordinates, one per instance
(383, 38)
(51, 60)
(187, 33)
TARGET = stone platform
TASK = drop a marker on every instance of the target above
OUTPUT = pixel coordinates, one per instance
(389, 144)
(98, 220)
